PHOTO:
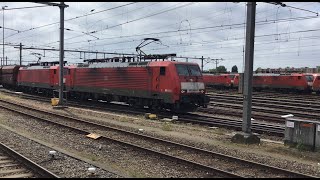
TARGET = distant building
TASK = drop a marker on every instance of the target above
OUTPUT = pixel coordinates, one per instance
(289, 70)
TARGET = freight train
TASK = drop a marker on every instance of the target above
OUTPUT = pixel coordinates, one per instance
(285, 82)
(177, 86)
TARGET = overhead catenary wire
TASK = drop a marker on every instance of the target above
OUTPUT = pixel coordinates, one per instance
(56, 41)
(138, 19)
(223, 37)
(7, 9)
(72, 18)
(239, 25)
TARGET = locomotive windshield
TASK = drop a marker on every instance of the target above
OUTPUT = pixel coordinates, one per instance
(309, 78)
(231, 76)
(194, 70)
(188, 70)
(182, 70)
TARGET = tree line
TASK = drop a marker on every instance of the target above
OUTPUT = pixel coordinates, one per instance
(222, 69)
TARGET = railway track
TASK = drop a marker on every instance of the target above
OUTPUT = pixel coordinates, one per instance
(15, 165)
(270, 106)
(301, 97)
(258, 101)
(204, 119)
(215, 164)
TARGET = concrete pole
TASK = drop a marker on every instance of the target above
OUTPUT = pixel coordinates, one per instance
(2, 35)
(6, 60)
(20, 47)
(249, 52)
(202, 64)
(61, 53)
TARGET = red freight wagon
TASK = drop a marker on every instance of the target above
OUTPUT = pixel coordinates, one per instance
(166, 84)
(9, 76)
(39, 78)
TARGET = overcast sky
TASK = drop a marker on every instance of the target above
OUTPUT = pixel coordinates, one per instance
(285, 36)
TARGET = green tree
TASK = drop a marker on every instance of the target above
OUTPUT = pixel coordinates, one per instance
(234, 69)
(221, 69)
(212, 71)
(258, 69)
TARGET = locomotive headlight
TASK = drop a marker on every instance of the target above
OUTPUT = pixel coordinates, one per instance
(202, 91)
(183, 91)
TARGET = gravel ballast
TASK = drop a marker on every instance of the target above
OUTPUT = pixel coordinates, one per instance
(217, 139)
(61, 165)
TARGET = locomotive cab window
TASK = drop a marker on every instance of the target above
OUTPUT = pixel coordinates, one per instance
(163, 71)
(65, 71)
(309, 78)
(299, 77)
(182, 70)
(194, 70)
(188, 70)
(55, 71)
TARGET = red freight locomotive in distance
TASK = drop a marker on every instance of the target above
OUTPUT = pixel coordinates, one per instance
(225, 80)
(292, 82)
(171, 85)
(316, 83)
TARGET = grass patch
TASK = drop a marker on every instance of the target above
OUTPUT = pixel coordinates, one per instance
(136, 174)
(167, 126)
(219, 131)
(93, 158)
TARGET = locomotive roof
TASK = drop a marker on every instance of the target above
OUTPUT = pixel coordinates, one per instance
(129, 64)
(166, 63)
(39, 67)
(263, 74)
(271, 74)
(10, 67)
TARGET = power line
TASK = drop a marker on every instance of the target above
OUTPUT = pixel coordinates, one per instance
(72, 18)
(263, 35)
(92, 40)
(199, 28)
(284, 5)
(26, 7)
(135, 20)
(101, 11)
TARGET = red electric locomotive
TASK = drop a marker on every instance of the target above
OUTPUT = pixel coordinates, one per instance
(157, 84)
(292, 82)
(1, 75)
(222, 80)
(39, 78)
(316, 83)
(235, 82)
(297, 82)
